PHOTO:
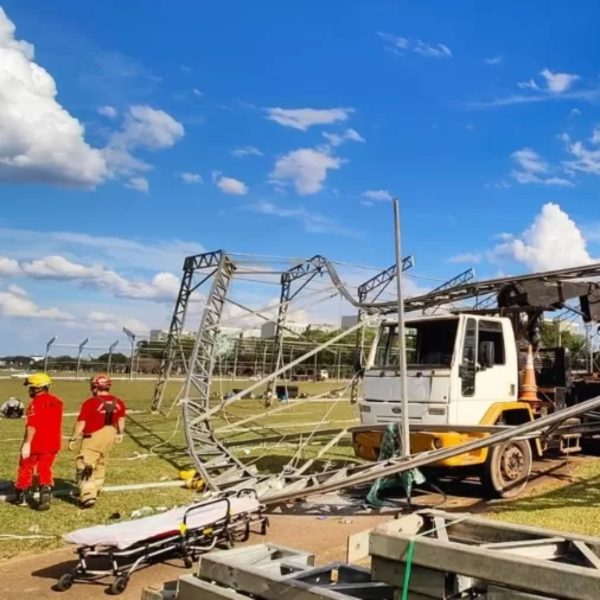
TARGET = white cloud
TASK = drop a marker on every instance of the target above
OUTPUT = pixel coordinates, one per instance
(40, 142)
(574, 112)
(402, 45)
(9, 266)
(312, 221)
(378, 195)
(532, 168)
(14, 302)
(103, 321)
(162, 286)
(528, 85)
(558, 82)
(246, 151)
(553, 241)
(190, 177)
(146, 128)
(305, 168)
(303, 118)
(197, 92)
(495, 60)
(337, 139)
(230, 185)
(108, 111)
(140, 184)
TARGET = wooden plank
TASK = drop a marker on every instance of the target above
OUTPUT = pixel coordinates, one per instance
(588, 554)
(538, 576)
(357, 546)
(429, 582)
(440, 528)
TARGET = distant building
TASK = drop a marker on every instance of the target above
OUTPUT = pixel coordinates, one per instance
(268, 329)
(251, 333)
(158, 335)
(323, 327)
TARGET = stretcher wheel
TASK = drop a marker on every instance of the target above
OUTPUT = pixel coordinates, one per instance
(119, 585)
(64, 582)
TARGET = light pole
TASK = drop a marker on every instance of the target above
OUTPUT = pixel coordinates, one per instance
(110, 353)
(81, 347)
(405, 430)
(131, 336)
(48, 346)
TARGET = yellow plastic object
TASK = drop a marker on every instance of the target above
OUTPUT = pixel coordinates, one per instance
(183, 528)
(187, 475)
(38, 380)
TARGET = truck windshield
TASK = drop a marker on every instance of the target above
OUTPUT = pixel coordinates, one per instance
(428, 343)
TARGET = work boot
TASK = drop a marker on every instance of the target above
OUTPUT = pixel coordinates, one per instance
(45, 497)
(20, 498)
(87, 503)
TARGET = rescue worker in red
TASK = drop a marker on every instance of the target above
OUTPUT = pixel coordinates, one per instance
(43, 433)
(101, 423)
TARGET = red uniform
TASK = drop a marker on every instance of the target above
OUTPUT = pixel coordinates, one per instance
(99, 411)
(44, 414)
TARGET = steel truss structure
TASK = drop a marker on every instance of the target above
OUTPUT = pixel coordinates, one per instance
(222, 471)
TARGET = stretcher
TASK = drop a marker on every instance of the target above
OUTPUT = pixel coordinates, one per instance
(120, 549)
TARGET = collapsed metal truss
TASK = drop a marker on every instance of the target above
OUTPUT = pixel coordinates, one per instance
(221, 470)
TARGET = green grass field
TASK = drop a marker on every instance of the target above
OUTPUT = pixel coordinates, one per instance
(153, 450)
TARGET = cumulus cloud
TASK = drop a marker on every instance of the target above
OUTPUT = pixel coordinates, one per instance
(558, 82)
(532, 168)
(40, 142)
(140, 184)
(402, 45)
(143, 128)
(337, 139)
(108, 111)
(9, 266)
(378, 195)
(306, 169)
(15, 302)
(246, 151)
(553, 241)
(162, 287)
(303, 118)
(190, 177)
(585, 157)
(230, 185)
(109, 322)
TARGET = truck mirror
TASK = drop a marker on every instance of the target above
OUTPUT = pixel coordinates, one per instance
(486, 354)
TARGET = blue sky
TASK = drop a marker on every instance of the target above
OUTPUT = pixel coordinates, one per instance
(283, 128)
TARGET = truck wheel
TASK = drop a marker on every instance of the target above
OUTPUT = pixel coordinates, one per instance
(507, 469)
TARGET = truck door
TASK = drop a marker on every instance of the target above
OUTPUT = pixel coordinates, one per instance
(484, 373)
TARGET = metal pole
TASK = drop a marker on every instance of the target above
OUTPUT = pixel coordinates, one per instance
(405, 431)
(110, 353)
(131, 337)
(81, 347)
(48, 346)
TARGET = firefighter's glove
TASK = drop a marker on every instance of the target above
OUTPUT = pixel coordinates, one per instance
(25, 450)
(119, 438)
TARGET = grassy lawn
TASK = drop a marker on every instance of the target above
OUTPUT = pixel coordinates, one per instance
(574, 507)
(154, 450)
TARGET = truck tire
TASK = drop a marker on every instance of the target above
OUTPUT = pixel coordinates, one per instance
(507, 469)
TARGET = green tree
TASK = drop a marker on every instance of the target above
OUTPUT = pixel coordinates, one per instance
(574, 342)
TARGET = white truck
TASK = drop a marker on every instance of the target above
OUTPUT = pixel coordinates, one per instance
(463, 381)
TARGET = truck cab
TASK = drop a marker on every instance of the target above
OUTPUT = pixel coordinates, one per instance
(458, 367)
(462, 381)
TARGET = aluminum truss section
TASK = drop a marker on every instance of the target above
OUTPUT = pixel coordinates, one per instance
(219, 469)
(173, 348)
(379, 284)
(305, 271)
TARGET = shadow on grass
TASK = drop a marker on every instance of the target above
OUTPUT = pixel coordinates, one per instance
(147, 439)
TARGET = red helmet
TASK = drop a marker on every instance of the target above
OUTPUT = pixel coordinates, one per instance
(101, 382)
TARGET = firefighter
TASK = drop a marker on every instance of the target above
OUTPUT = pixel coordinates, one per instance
(43, 433)
(101, 423)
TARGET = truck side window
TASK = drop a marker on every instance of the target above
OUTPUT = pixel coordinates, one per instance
(491, 331)
(468, 365)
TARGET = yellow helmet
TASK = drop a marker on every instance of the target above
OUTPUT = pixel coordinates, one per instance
(38, 380)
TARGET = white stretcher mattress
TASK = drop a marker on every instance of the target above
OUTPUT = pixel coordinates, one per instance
(125, 534)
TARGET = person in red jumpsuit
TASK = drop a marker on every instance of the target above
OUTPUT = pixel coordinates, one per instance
(42, 441)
